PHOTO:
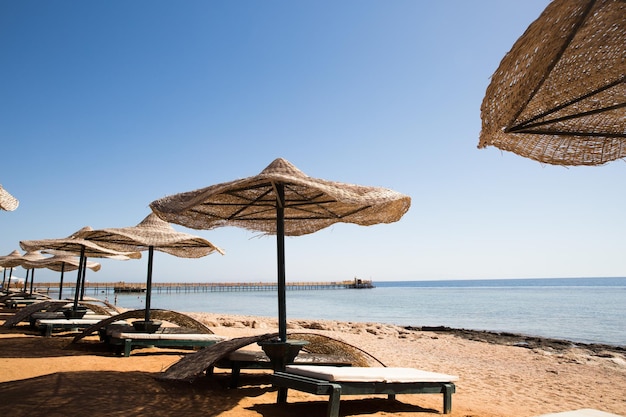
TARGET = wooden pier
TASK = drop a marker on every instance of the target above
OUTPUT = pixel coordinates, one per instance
(181, 287)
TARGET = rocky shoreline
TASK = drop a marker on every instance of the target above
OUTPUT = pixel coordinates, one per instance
(520, 340)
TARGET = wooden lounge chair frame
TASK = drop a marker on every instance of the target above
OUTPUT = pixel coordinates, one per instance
(238, 360)
(48, 326)
(13, 304)
(125, 342)
(334, 389)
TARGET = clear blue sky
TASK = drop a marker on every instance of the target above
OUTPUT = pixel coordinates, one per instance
(107, 106)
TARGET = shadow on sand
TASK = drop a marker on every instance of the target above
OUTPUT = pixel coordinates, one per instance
(108, 393)
(348, 407)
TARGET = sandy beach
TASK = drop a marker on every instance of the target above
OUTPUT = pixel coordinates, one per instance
(501, 375)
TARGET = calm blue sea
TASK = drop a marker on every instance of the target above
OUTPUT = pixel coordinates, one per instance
(588, 310)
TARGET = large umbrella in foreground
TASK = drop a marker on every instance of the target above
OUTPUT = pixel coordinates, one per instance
(152, 233)
(77, 246)
(559, 95)
(63, 263)
(7, 201)
(282, 200)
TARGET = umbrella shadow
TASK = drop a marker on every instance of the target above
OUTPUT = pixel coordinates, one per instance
(23, 343)
(107, 393)
(348, 407)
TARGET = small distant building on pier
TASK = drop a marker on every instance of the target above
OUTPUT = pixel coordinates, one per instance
(129, 288)
(359, 283)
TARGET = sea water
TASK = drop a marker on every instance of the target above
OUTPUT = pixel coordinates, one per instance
(586, 310)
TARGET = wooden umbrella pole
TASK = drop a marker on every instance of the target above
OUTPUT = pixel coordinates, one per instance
(32, 280)
(280, 246)
(26, 281)
(149, 283)
(81, 263)
(61, 282)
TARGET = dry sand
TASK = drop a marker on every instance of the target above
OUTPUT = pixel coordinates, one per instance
(500, 375)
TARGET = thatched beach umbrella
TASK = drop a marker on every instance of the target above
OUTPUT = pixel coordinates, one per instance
(7, 201)
(26, 263)
(152, 234)
(63, 263)
(282, 200)
(10, 261)
(559, 95)
(77, 246)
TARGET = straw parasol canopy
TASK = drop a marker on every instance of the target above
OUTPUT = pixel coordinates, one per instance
(78, 246)
(7, 201)
(73, 244)
(10, 261)
(26, 263)
(152, 233)
(310, 204)
(284, 201)
(559, 95)
(63, 263)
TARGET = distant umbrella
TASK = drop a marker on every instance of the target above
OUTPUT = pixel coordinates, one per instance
(284, 201)
(77, 246)
(7, 201)
(10, 261)
(152, 233)
(559, 95)
(26, 263)
(63, 263)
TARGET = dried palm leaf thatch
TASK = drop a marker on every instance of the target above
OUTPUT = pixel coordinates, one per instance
(194, 365)
(559, 95)
(11, 260)
(98, 309)
(62, 263)
(152, 232)
(109, 306)
(49, 305)
(329, 346)
(74, 244)
(310, 204)
(182, 320)
(7, 201)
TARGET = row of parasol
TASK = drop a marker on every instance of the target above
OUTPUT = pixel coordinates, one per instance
(281, 200)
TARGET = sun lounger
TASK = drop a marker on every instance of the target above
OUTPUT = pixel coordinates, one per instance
(14, 303)
(128, 340)
(47, 326)
(48, 315)
(585, 412)
(335, 381)
(251, 359)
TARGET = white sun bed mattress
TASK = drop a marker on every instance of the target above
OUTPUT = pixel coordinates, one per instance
(168, 336)
(368, 374)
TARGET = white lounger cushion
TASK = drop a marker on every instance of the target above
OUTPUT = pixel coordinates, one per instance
(586, 412)
(365, 374)
(67, 322)
(168, 336)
